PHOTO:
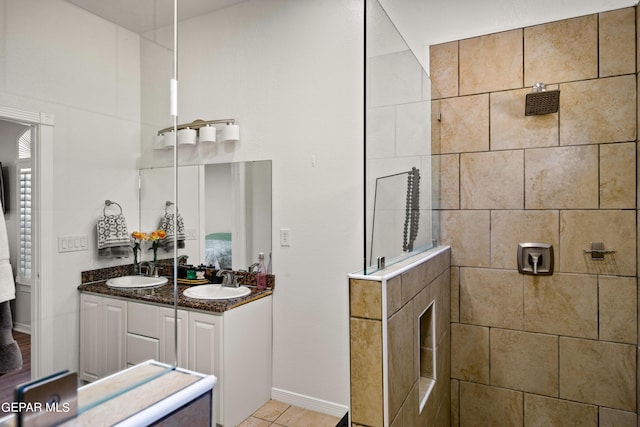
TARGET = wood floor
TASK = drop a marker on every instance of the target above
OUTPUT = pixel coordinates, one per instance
(11, 379)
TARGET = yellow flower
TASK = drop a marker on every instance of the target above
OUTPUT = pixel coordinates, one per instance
(138, 235)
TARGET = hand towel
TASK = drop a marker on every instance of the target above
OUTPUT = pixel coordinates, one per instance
(7, 283)
(113, 236)
(173, 225)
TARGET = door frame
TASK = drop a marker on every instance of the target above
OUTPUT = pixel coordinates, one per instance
(42, 307)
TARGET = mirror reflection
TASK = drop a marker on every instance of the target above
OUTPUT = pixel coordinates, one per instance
(226, 209)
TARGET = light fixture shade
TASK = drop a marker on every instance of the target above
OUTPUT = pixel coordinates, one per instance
(158, 142)
(207, 133)
(170, 139)
(187, 136)
(231, 133)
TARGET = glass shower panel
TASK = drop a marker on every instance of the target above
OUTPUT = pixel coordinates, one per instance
(398, 165)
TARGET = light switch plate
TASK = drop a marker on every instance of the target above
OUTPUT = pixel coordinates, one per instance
(72, 243)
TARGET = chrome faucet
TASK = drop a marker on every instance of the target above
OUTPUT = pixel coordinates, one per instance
(151, 270)
(252, 266)
(228, 278)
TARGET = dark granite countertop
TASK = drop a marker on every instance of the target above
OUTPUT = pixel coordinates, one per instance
(164, 295)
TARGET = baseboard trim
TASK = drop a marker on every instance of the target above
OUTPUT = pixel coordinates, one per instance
(308, 402)
(22, 327)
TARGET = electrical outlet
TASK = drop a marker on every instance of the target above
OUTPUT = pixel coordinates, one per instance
(285, 237)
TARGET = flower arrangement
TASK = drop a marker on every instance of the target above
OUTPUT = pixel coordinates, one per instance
(155, 238)
(138, 237)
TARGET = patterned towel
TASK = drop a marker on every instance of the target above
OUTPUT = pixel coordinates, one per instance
(173, 225)
(113, 236)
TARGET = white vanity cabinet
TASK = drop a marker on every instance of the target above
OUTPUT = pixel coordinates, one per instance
(150, 334)
(103, 323)
(235, 346)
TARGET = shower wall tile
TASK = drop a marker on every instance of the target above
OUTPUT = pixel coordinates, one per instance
(598, 111)
(524, 361)
(482, 290)
(449, 181)
(381, 134)
(617, 176)
(394, 295)
(402, 374)
(492, 180)
(618, 309)
(455, 402)
(468, 232)
(491, 63)
(443, 67)
(613, 227)
(561, 51)
(511, 129)
(540, 411)
(470, 361)
(365, 297)
(608, 382)
(562, 304)
(617, 42)
(464, 124)
(396, 78)
(561, 178)
(366, 372)
(455, 294)
(511, 227)
(494, 406)
(530, 339)
(614, 418)
(413, 129)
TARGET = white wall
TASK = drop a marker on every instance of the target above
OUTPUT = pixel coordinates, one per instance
(290, 72)
(59, 59)
(426, 22)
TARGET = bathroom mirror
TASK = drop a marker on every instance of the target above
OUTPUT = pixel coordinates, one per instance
(226, 209)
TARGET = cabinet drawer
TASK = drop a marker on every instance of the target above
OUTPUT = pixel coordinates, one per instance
(142, 319)
(141, 348)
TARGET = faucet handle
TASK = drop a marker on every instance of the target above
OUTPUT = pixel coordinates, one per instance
(228, 277)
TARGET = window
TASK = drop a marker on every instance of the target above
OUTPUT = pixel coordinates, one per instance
(23, 166)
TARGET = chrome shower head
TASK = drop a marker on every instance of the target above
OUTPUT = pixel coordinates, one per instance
(541, 101)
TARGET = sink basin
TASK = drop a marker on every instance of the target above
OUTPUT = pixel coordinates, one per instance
(136, 282)
(216, 292)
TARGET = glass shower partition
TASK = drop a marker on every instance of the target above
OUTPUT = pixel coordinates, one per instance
(399, 168)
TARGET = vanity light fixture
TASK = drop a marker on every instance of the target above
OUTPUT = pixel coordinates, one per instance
(198, 130)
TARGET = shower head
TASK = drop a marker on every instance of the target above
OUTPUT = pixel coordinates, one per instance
(541, 101)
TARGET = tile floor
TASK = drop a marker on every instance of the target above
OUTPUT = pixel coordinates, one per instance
(275, 413)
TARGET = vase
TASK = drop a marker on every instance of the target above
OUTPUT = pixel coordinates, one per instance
(136, 265)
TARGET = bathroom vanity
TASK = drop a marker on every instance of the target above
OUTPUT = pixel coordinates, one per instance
(230, 339)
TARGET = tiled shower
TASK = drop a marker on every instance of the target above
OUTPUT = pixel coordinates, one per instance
(541, 350)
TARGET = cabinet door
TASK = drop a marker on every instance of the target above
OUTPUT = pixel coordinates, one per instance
(90, 337)
(167, 333)
(102, 336)
(114, 324)
(205, 353)
(205, 343)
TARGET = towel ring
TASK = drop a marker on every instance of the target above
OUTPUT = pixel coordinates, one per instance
(108, 203)
(166, 207)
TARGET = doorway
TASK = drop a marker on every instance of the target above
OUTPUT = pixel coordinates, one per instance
(41, 304)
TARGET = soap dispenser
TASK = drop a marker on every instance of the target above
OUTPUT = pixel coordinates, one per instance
(261, 276)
